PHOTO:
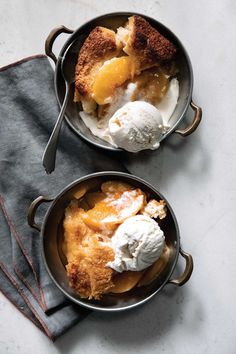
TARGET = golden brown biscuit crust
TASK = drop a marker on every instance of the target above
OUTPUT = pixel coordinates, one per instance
(88, 273)
(86, 255)
(146, 44)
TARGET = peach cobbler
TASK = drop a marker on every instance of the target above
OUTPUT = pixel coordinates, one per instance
(112, 240)
(134, 64)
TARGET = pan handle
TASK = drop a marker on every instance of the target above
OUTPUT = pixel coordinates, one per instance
(51, 38)
(187, 272)
(195, 123)
(33, 208)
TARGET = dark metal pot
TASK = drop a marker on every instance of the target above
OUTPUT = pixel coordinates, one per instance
(113, 20)
(51, 233)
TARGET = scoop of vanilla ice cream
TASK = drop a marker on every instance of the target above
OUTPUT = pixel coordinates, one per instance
(137, 244)
(136, 126)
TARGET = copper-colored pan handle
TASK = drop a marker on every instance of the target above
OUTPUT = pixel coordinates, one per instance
(33, 208)
(51, 38)
(187, 272)
(195, 123)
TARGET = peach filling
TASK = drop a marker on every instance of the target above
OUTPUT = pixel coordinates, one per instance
(112, 74)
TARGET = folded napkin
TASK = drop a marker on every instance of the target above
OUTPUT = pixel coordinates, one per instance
(28, 110)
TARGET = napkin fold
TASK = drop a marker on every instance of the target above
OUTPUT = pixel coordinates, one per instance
(28, 111)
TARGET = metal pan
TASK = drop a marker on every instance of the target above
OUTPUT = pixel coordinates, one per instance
(114, 20)
(51, 233)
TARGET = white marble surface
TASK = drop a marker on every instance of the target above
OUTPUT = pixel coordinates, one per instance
(196, 174)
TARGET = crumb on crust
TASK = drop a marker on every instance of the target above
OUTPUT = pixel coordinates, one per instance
(155, 209)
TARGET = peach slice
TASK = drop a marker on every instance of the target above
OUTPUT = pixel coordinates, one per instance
(155, 270)
(95, 217)
(112, 74)
(84, 188)
(126, 281)
(80, 193)
(94, 197)
(114, 209)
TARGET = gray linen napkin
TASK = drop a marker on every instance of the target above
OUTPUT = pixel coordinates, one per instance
(28, 110)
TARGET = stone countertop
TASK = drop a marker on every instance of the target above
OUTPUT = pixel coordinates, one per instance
(196, 174)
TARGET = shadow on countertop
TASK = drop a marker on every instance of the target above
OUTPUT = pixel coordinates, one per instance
(135, 328)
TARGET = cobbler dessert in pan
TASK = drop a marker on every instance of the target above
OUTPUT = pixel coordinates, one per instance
(113, 241)
(126, 84)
